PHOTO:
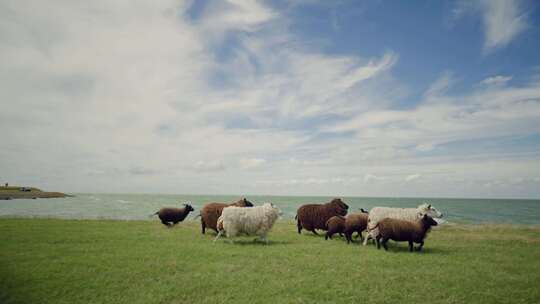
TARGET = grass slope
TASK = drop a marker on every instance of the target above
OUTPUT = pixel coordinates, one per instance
(14, 192)
(60, 261)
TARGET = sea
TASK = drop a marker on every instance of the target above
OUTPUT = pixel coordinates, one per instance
(142, 206)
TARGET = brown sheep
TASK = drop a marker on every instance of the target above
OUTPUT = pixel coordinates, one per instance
(212, 211)
(401, 230)
(314, 216)
(174, 215)
(355, 222)
(336, 224)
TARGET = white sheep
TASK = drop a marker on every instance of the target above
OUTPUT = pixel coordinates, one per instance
(251, 221)
(408, 214)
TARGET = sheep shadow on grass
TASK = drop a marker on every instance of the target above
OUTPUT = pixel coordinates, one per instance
(320, 234)
(404, 248)
(256, 242)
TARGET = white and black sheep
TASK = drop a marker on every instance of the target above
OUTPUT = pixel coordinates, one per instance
(251, 221)
(408, 214)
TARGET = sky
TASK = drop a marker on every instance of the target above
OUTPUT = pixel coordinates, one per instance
(333, 98)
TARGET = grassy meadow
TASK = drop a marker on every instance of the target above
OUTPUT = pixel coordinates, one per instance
(93, 261)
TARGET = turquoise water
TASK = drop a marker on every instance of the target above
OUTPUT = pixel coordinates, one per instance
(140, 206)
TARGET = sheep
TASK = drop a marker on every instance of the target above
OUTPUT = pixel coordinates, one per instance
(174, 215)
(409, 214)
(212, 211)
(355, 222)
(335, 224)
(314, 216)
(251, 221)
(401, 230)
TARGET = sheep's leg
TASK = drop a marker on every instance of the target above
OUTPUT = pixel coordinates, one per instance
(165, 223)
(348, 236)
(410, 246)
(299, 226)
(368, 236)
(313, 230)
(361, 236)
(372, 234)
(263, 239)
(327, 235)
(384, 241)
(203, 226)
(377, 239)
(341, 234)
(218, 235)
(420, 247)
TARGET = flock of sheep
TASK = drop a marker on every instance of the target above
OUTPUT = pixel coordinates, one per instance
(380, 223)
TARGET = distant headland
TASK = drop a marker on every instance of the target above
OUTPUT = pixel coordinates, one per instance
(13, 192)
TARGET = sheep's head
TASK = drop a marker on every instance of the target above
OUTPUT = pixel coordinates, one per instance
(363, 210)
(428, 220)
(188, 208)
(244, 203)
(273, 207)
(340, 207)
(427, 209)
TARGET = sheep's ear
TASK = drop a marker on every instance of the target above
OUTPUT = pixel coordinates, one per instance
(245, 200)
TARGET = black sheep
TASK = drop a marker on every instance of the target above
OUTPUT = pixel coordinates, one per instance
(174, 215)
(401, 230)
(314, 216)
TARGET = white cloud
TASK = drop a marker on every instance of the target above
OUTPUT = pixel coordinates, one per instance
(495, 111)
(440, 86)
(249, 163)
(213, 165)
(503, 20)
(372, 178)
(135, 96)
(412, 177)
(425, 147)
(496, 80)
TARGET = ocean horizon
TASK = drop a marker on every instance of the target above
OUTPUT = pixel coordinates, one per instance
(142, 206)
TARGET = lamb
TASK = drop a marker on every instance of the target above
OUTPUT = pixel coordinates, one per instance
(212, 211)
(409, 214)
(174, 215)
(336, 224)
(251, 221)
(401, 230)
(355, 222)
(315, 216)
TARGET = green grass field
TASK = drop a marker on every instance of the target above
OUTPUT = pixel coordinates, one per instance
(61, 261)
